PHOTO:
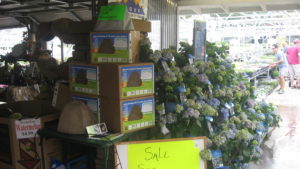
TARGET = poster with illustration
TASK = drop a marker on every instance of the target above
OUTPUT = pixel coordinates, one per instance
(110, 47)
(84, 79)
(137, 80)
(138, 114)
(136, 8)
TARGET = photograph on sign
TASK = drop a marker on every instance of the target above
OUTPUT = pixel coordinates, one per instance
(161, 154)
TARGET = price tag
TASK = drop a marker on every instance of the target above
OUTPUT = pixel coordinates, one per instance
(112, 12)
(37, 88)
(183, 97)
(163, 111)
(165, 66)
(191, 59)
(227, 105)
(27, 128)
(181, 89)
(165, 130)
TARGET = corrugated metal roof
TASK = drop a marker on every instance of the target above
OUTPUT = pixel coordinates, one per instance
(190, 7)
(6, 22)
(43, 11)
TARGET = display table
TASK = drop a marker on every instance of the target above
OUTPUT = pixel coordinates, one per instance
(81, 140)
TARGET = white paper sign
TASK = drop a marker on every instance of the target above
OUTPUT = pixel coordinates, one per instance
(27, 128)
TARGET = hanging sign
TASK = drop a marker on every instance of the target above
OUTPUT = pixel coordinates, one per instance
(161, 154)
(199, 40)
(136, 8)
(112, 12)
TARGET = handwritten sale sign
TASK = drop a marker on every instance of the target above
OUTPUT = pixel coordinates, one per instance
(162, 154)
(27, 128)
(112, 12)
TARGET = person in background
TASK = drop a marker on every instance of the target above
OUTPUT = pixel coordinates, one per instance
(293, 57)
(281, 61)
(284, 47)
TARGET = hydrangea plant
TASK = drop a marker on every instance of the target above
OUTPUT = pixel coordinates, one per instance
(188, 94)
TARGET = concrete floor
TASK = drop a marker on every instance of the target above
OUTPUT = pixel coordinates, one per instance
(282, 149)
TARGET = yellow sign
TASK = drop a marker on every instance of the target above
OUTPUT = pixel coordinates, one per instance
(179, 154)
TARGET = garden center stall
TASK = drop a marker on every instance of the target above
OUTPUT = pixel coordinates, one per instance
(116, 95)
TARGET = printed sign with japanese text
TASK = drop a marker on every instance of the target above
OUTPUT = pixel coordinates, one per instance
(27, 128)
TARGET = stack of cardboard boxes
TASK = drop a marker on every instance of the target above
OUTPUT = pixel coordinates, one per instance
(118, 89)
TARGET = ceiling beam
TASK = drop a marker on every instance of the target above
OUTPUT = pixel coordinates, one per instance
(263, 7)
(4, 3)
(76, 16)
(197, 10)
(232, 2)
(225, 8)
(34, 20)
(20, 8)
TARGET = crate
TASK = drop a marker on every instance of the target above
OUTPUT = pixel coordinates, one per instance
(19, 148)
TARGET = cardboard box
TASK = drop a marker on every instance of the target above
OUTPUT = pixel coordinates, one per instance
(124, 116)
(126, 81)
(61, 95)
(141, 25)
(19, 148)
(115, 47)
(52, 149)
(92, 102)
(84, 79)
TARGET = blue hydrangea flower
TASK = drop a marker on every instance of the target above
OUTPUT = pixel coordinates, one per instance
(261, 116)
(252, 111)
(224, 113)
(167, 54)
(202, 78)
(250, 103)
(242, 86)
(214, 102)
(171, 118)
(226, 63)
(155, 56)
(190, 112)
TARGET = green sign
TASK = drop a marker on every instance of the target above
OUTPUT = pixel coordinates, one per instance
(112, 12)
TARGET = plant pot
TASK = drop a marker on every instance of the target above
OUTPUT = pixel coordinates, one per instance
(170, 107)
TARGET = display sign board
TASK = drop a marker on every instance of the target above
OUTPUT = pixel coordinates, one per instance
(112, 12)
(199, 40)
(161, 154)
(27, 128)
(138, 114)
(84, 79)
(111, 47)
(137, 80)
(136, 8)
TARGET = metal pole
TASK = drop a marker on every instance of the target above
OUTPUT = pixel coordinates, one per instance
(94, 10)
(62, 51)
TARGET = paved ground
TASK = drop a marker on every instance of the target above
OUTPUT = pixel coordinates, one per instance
(282, 150)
